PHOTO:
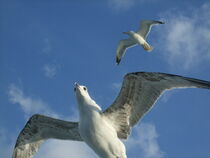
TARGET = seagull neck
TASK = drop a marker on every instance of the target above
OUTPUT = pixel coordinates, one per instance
(88, 105)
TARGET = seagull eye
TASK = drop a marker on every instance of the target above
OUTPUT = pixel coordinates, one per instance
(85, 88)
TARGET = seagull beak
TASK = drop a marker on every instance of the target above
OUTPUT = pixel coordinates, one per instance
(125, 32)
(76, 86)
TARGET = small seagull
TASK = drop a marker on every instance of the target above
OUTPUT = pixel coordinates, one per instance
(103, 130)
(138, 37)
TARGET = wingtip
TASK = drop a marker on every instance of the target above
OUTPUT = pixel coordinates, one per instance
(118, 61)
(161, 22)
(156, 21)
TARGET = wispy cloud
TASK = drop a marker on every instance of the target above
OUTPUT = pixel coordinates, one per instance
(145, 137)
(185, 39)
(50, 70)
(65, 149)
(28, 104)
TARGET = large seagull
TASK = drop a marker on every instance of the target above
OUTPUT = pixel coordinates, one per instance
(135, 38)
(103, 130)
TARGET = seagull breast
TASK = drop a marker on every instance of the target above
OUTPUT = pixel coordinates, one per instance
(98, 132)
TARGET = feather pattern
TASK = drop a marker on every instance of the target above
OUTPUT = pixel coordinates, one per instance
(40, 128)
(122, 46)
(138, 94)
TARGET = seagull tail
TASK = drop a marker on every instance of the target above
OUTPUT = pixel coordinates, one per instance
(147, 47)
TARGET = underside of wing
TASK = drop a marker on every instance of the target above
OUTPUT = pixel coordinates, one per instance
(122, 46)
(40, 128)
(138, 94)
(27, 150)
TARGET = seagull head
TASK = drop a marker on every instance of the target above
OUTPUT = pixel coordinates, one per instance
(128, 32)
(81, 93)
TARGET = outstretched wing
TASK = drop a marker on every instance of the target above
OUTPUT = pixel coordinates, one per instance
(40, 128)
(145, 27)
(138, 94)
(122, 46)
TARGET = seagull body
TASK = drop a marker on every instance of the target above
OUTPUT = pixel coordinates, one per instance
(103, 130)
(101, 136)
(95, 129)
(138, 37)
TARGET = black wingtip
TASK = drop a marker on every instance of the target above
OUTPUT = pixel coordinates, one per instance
(200, 83)
(118, 61)
(161, 22)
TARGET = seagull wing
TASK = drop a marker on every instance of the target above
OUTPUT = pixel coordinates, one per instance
(122, 46)
(40, 128)
(139, 93)
(145, 27)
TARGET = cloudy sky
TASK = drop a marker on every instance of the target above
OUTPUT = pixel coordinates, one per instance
(46, 46)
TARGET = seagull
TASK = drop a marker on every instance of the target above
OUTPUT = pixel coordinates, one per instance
(103, 130)
(135, 38)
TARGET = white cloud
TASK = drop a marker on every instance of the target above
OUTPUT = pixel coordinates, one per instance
(185, 39)
(145, 137)
(50, 70)
(65, 149)
(28, 104)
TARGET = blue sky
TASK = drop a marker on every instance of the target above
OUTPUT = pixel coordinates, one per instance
(47, 46)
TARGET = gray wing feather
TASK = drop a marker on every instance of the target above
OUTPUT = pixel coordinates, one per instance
(40, 128)
(122, 46)
(145, 27)
(138, 94)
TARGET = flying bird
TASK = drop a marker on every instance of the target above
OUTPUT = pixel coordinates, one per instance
(103, 130)
(135, 38)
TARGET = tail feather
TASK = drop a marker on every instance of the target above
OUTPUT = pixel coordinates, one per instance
(147, 47)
